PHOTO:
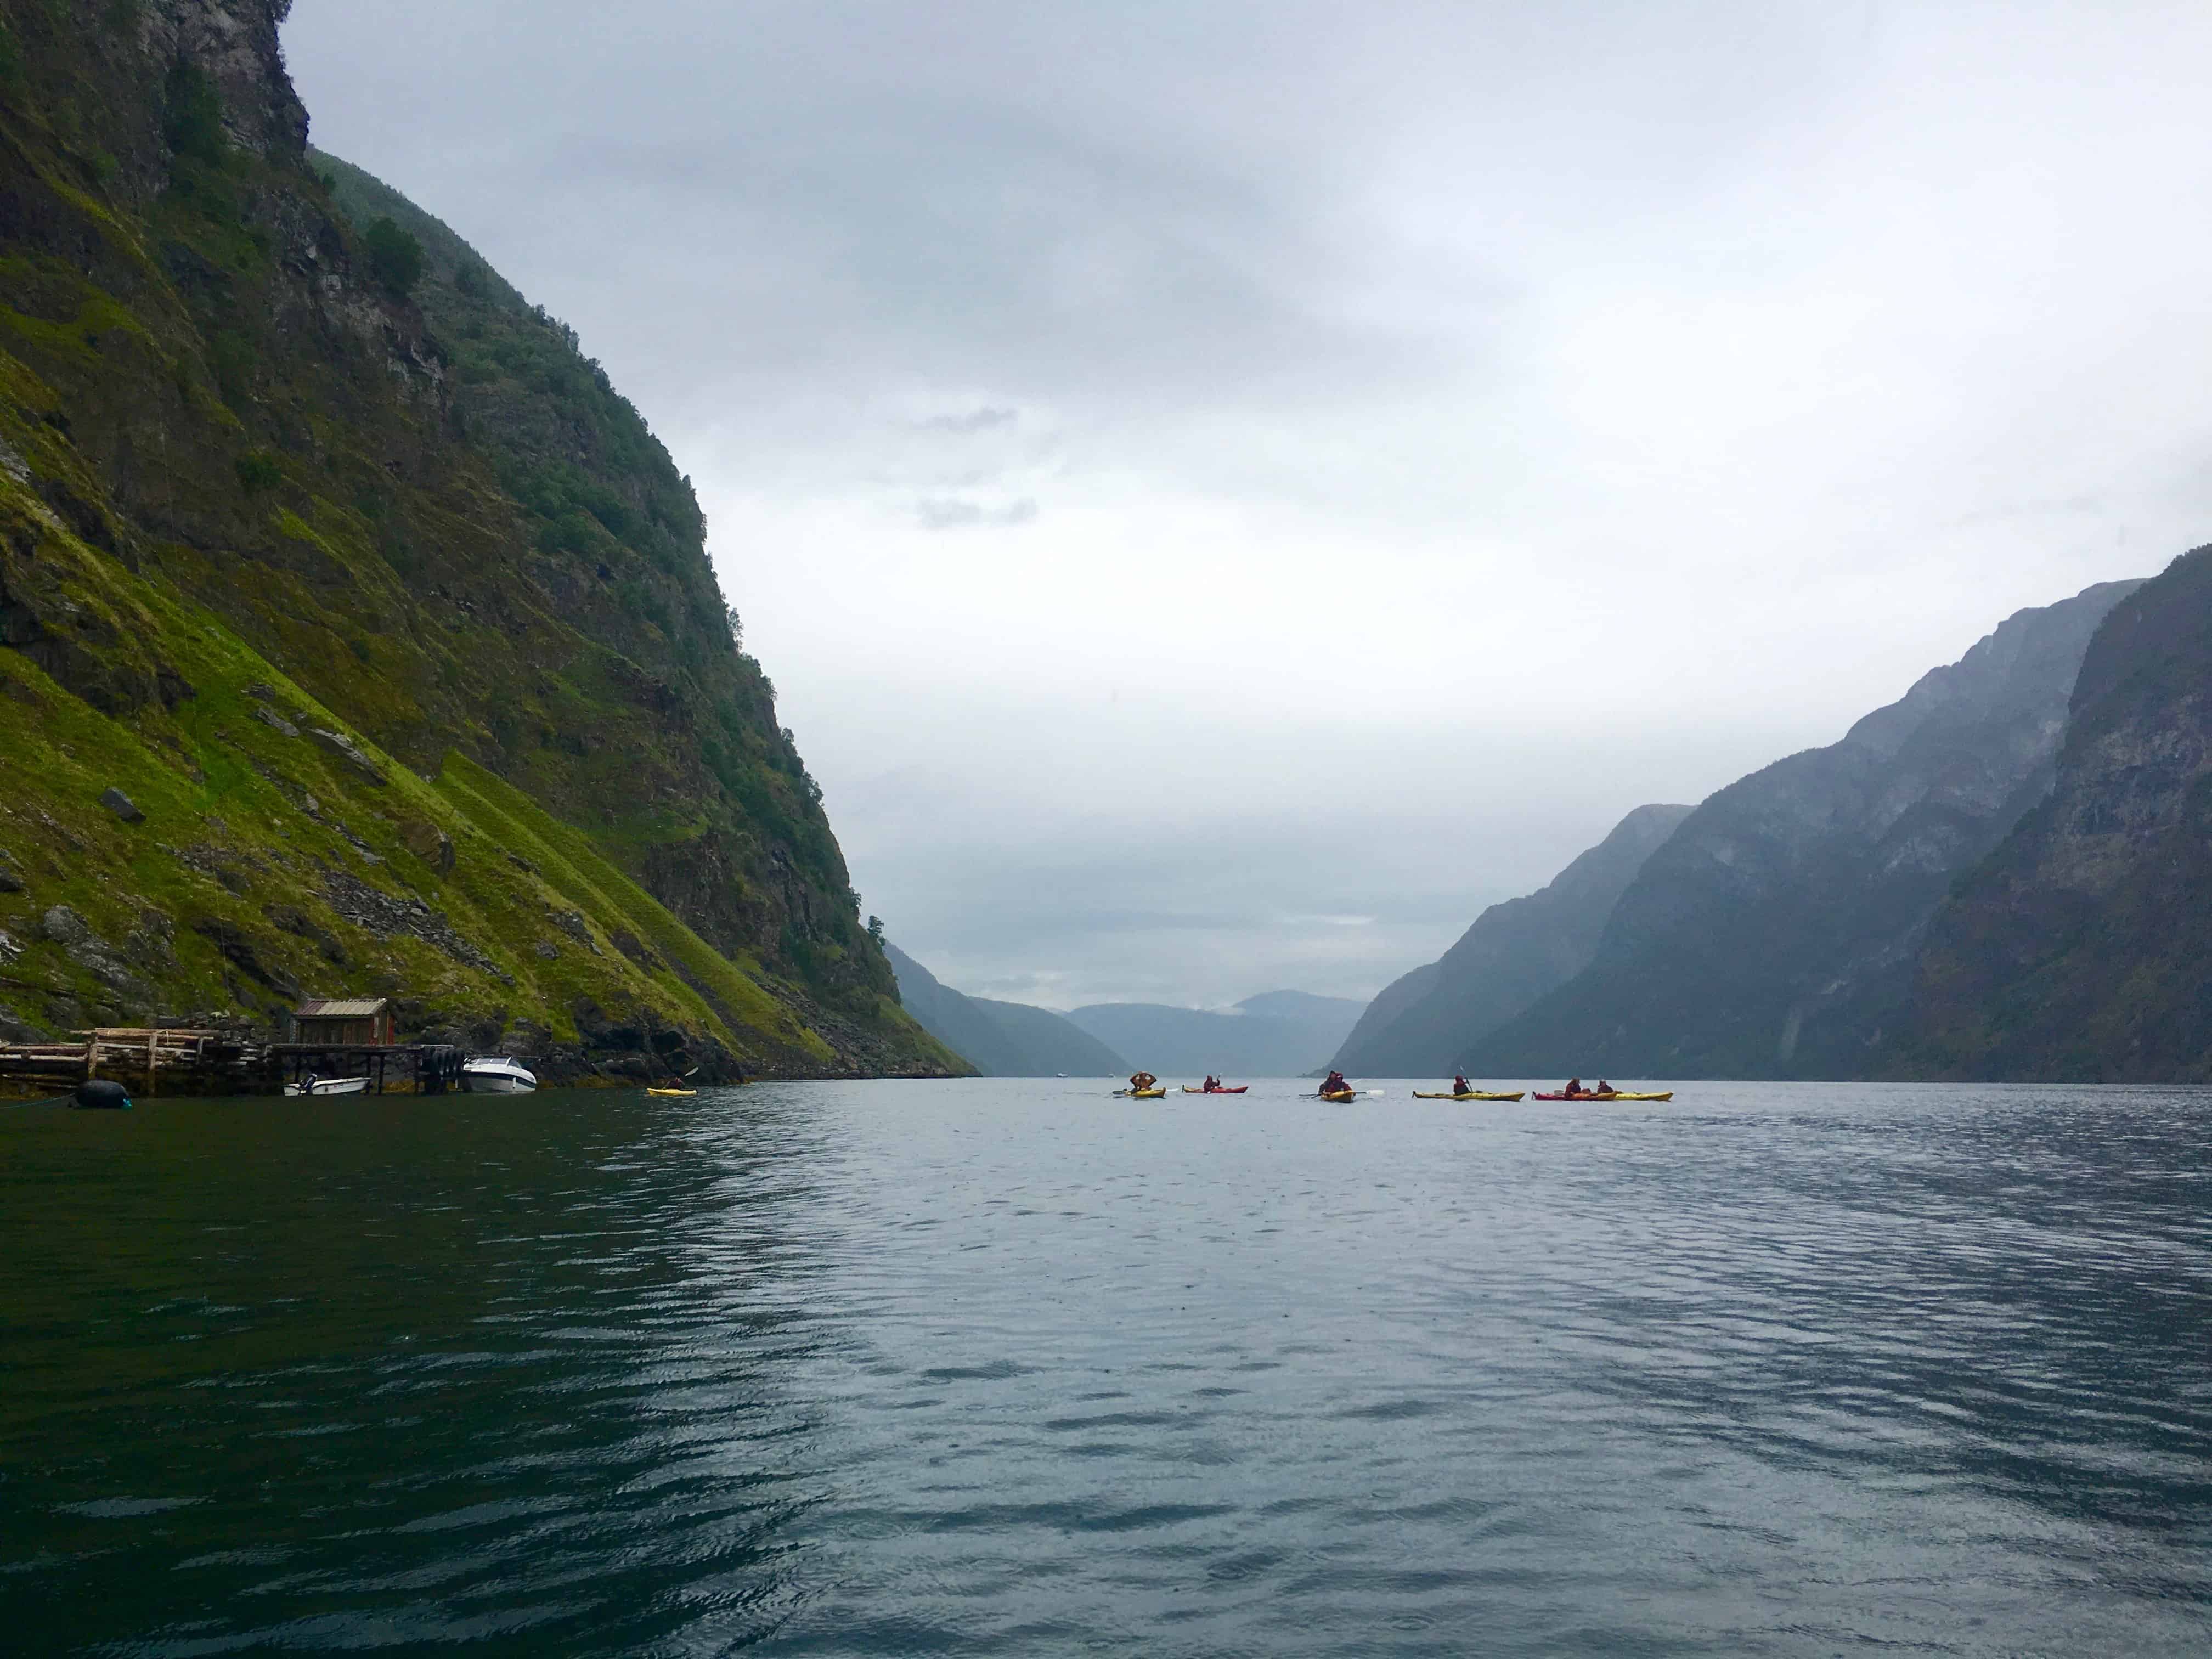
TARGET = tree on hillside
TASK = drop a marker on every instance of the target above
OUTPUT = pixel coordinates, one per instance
(395, 258)
(191, 121)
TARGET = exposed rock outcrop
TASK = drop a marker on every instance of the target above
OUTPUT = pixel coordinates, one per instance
(2081, 950)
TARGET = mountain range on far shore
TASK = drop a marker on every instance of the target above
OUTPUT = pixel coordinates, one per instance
(1000, 1039)
(1987, 877)
(1274, 1034)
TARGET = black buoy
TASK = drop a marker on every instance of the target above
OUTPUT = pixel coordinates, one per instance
(100, 1095)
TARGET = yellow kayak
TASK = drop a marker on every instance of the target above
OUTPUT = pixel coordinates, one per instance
(1144, 1094)
(671, 1091)
(1477, 1095)
(1341, 1096)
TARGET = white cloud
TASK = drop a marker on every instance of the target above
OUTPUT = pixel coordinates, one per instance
(1420, 434)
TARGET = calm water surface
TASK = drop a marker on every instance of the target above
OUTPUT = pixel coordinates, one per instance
(1014, 1367)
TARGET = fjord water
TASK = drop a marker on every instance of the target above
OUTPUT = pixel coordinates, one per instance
(898, 1368)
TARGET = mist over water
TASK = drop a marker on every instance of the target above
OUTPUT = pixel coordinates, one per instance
(1012, 1366)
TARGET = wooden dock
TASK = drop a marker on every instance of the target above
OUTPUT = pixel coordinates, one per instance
(422, 1068)
(147, 1058)
(154, 1060)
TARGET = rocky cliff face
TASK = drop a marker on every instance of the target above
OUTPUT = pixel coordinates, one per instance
(1422, 1023)
(2081, 950)
(257, 572)
(1773, 935)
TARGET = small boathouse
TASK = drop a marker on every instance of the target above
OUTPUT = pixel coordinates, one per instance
(362, 1022)
(355, 1037)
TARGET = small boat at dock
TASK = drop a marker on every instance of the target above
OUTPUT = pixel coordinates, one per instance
(317, 1087)
(497, 1075)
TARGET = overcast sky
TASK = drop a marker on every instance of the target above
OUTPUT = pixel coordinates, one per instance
(1226, 491)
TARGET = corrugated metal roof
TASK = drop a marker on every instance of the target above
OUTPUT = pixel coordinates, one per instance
(357, 1009)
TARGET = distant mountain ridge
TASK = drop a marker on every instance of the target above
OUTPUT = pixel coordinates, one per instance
(1774, 934)
(1420, 1024)
(999, 1039)
(1275, 1034)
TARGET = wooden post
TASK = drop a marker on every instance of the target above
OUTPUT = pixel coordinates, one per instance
(92, 1057)
(153, 1060)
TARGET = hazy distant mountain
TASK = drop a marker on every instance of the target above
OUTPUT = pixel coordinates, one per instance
(1774, 934)
(1275, 1034)
(1000, 1039)
(1422, 1023)
(2082, 949)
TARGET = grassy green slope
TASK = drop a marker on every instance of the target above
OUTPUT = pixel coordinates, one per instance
(229, 459)
(615, 533)
(271, 863)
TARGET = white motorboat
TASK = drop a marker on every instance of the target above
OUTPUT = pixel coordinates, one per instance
(312, 1084)
(497, 1076)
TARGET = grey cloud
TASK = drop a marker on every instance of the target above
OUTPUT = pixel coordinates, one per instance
(955, 513)
(976, 420)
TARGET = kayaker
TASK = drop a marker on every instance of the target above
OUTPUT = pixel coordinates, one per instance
(1574, 1087)
(1460, 1086)
(1604, 1088)
(1335, 1084)
(1212, 1084)
(1142, 1080)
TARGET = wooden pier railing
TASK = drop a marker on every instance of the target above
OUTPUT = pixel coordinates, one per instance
(148, 1057)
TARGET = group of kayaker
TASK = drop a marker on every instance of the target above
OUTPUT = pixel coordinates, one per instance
(1337, 1085)
(1146, 1084)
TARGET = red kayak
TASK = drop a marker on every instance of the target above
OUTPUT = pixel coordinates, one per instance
(1238, 1090)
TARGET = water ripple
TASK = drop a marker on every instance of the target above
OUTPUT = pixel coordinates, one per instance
(1015, 1368)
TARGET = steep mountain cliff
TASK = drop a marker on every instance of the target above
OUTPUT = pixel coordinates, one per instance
(1000, 1039)
(1275, 1034)
(404, 650)
(2082, 949)
(1420, 1024)
(1773, 934)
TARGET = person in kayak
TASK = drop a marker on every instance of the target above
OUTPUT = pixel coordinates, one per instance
(1335, 1084)
(1574, 1087)
(1460, 1086)
(1141, 1080)
(1604, 1088)
(1212, 1084)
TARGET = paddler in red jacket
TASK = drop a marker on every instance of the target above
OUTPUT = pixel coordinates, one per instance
(1460, 1086)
